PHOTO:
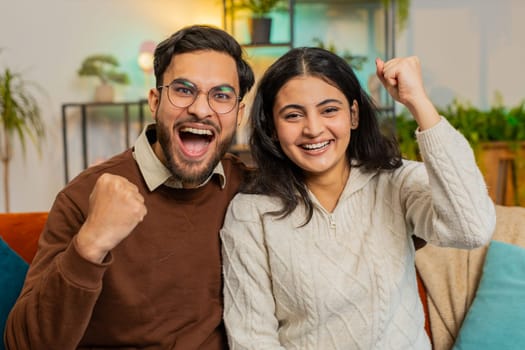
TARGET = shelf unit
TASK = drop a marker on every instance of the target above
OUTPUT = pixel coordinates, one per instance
(231, 24)
(366, 24)
(117, 111)
(331, 20)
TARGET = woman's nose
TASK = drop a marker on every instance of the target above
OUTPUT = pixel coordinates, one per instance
(313, 126)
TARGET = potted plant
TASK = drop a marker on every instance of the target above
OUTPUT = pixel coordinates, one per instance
(497, 136)
(356, 62)
(402, 8)
(103, 67)
(20, 117)
(260, 22)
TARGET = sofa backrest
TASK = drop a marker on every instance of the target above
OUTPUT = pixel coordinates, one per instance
(21, 232)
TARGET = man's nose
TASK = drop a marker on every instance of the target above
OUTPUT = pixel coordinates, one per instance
(200, 106)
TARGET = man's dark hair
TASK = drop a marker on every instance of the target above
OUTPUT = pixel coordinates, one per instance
(197, 38)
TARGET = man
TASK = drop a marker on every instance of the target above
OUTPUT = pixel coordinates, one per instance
(130, 255)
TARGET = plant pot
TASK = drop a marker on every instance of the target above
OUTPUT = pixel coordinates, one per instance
(260, 30)
(503, 167)
(104, 93)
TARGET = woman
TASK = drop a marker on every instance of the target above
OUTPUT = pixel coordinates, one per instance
(318, 251)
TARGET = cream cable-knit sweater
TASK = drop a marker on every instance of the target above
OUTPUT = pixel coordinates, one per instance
(347, 279)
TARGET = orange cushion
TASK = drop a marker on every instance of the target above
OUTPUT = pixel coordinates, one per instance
(21, 232)
(423, 296)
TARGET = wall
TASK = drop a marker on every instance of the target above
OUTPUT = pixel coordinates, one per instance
(47, 40)
(469, 49)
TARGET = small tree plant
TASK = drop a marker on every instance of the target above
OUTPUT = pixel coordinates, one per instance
(103, 67)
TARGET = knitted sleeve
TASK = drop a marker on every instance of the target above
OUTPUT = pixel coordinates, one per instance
(249, 307)
(447, 201)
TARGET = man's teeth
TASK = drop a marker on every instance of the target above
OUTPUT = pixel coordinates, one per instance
(197, 131)
(313, 146)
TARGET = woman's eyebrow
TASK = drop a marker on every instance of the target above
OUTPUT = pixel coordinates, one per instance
(329, 100)
(291, 106)
(320, 104)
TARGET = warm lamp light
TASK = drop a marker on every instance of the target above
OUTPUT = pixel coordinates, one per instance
(145, 59)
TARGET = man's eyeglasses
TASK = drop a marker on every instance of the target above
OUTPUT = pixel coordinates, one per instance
(182, 93)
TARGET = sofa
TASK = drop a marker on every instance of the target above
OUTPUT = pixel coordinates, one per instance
(448, 281)
(19, 233)
(475, 299)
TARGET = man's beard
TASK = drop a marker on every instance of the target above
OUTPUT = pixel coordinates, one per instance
(183, 170)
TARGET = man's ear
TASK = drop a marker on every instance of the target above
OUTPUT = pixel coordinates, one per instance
(154, 101)
(354, 115)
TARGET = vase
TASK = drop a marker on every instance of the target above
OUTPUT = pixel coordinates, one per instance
(260, 30)
(104, 93)
(503, 167)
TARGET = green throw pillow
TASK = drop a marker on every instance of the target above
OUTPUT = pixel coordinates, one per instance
(496, 319)
(13, 271)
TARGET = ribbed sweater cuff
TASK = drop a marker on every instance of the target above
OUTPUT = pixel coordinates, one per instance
(435, 137)
(82, 272)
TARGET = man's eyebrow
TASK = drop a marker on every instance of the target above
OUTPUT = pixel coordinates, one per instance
(189, 83)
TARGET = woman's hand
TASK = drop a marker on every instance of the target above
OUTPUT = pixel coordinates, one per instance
(402, 78)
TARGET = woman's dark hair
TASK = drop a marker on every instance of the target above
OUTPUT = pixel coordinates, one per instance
(197, 38)
(277, 175)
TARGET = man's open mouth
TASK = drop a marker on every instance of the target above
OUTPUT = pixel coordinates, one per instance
(195, 141)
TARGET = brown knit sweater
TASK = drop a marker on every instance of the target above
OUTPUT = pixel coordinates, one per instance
(160, 288)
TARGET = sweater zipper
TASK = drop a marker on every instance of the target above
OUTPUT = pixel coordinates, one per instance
(332, 224)
(331, 220)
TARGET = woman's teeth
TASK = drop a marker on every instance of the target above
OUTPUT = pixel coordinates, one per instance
(314, 146)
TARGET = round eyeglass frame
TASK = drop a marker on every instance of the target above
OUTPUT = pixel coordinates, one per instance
(198, 91)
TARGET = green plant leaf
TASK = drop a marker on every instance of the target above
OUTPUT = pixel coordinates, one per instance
(103, 67)
(498, 123)
(356, 62)
(19, 112)
(260, 8)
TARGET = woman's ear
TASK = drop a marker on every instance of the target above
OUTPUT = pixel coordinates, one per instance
(354, 115)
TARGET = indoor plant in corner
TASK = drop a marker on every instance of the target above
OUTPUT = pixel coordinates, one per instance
(20, 117)
(103, 67)
(497, 136)
(356, 62)
(402, 10)
(260, 22)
